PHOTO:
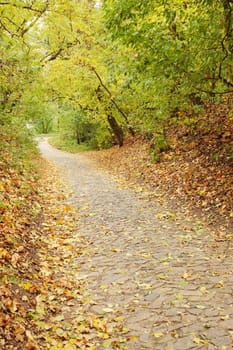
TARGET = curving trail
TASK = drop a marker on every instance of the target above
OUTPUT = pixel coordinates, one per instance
(166, 275)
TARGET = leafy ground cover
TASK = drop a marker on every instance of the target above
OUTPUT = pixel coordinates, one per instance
(20, 212)
(195, 171)
(68, 144)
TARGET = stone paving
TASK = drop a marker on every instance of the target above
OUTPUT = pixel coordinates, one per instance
(161, 270)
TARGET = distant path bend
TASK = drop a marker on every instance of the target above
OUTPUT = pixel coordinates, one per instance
(169, 278)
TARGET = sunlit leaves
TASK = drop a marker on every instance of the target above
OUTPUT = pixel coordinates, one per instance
(162, 53)
(17, 59)
(180, 49)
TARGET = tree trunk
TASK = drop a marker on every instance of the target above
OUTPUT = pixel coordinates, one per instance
(77, 137)
(116, 129)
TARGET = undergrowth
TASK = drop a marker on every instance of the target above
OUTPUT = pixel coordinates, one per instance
(68, 144)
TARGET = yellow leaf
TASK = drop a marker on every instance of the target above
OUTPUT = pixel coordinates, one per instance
(4, 254)
(197, 340)
(174, 334)
(67, 208)
(104, 287)
(114, 250)
(72, 347)
(133, 337)
(158, 335)
(125, 330)
(179, 296)
(185, 275)
(96, 323)
(119, 318)
(103, 335)
(59, 221)
(203, 290)
(200, 341)
(108, 309)
(81, 328)
(138, 189)
(200, 307)
(219, 284)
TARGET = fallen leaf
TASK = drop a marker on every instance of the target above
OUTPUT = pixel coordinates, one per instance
(29, 346)
(4, 254)
(197, 340)
(219, 284)
(72, 347)
(158, 334)
(107, 310)
(15, 259)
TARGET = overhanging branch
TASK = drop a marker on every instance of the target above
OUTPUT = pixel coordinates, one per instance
(109, 93)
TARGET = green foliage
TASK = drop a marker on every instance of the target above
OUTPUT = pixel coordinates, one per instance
(67, 66)
(68, 144)
(17, 146)
(44, 124)
(180, 48)
(102, 138)
(77, 127)
(159, 144)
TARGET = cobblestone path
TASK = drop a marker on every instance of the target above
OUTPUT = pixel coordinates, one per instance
(163, 272)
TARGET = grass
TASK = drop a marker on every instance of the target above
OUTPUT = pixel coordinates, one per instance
(69, 145)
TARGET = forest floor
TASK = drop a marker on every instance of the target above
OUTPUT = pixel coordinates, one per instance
(133, 274)
(195, 172)
(120, 259)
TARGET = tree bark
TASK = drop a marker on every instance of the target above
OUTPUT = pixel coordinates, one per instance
(116, 129)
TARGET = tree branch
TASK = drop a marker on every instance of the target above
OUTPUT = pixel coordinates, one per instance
(210, 92)
(40, 14)
(30, 8)
(53, 55)
(110, 95)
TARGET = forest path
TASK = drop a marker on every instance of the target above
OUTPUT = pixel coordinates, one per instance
(167, 277)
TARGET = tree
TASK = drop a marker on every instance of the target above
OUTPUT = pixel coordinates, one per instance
(72, 59)
(182, 49)
(16, 22)
(125, 65)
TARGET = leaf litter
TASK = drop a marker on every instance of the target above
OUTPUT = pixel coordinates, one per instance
(44, 301)
(195, 173)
